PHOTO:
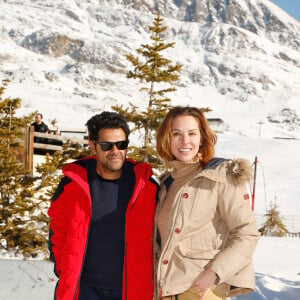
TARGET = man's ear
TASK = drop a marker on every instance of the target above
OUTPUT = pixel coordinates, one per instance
(92, 146)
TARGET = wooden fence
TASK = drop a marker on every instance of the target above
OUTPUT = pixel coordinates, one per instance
(51, 144)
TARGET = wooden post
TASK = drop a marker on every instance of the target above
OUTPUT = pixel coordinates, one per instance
(254, 182)
(22, 149)
(29, 147)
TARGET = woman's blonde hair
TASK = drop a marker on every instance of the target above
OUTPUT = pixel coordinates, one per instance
(163, 134)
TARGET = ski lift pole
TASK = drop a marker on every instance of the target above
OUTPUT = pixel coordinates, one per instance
(254, 182)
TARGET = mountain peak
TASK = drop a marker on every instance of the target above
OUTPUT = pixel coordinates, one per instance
(242, 50)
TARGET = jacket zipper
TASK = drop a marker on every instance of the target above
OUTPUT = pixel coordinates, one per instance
(155, 271)
(125, 254)
(167, 242)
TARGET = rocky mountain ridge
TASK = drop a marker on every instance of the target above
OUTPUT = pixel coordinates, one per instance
(245, 50)
(251, 15)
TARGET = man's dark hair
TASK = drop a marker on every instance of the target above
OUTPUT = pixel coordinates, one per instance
(106, 120)
(39, 114)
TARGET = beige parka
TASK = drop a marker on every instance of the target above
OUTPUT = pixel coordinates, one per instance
(212, 227)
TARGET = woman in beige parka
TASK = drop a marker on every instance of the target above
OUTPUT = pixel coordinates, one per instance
(205, 231)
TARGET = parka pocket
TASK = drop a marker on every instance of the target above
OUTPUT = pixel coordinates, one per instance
(198, 248)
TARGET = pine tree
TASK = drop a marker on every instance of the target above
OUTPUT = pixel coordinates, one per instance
(46, 181)
(158, 73)
(16, 184)
(273, 225)
(24, 198)
(49, 172)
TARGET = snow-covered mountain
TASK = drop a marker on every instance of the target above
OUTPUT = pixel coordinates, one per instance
(236, 55)
(241, 58)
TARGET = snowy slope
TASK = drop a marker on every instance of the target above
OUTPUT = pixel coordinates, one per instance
(277, 275)
(66, 59)
(71, 55)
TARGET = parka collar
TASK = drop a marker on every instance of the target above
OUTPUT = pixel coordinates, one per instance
(238, 171)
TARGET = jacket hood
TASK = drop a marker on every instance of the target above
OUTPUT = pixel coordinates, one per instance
(239, 171)
(236, 171)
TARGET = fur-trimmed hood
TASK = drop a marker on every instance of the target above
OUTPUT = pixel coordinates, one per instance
(236, 171)
(239, 171)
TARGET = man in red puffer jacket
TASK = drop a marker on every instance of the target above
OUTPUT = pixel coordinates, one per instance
(101, 220)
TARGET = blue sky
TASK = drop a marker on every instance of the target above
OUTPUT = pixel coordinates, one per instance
(292, 7)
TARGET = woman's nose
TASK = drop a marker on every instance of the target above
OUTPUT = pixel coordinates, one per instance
(185, 138)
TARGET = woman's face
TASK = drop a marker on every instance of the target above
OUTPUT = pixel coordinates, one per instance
(185, 138)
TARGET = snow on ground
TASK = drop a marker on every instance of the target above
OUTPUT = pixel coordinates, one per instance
(276, 264)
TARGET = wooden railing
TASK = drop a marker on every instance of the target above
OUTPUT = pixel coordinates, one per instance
(52, 138)
(27, 151)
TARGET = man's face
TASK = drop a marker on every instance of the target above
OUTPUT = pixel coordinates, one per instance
(110, 162)
(38, 119)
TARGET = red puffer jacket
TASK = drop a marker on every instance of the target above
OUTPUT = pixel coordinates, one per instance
(70, 215)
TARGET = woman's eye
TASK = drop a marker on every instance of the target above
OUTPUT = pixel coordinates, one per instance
(175, 134)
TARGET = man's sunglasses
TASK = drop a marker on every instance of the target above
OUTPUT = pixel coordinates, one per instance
(106, 146)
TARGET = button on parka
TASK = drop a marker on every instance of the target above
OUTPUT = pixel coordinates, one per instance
(212, 227)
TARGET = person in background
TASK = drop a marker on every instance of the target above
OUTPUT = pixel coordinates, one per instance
(39, 125)
(205, 230)
(101, 220)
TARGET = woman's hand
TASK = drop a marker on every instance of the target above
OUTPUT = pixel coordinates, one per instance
(205, 281)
